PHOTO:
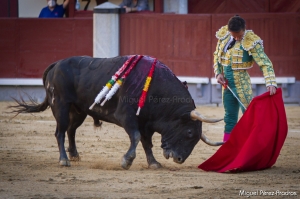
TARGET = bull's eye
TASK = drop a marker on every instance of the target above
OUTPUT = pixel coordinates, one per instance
(189, 133)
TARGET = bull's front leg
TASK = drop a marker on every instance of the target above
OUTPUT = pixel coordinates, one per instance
(147, 145)
(128, 158)
(125, 115)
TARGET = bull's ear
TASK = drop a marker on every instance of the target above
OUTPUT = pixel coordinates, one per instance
(186, 117)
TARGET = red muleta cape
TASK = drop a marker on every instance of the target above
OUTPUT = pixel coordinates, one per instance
(256, 140)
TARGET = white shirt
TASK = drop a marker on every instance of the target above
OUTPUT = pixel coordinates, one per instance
(226, 46)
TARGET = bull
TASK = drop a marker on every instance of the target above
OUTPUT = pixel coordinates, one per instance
(73, 83)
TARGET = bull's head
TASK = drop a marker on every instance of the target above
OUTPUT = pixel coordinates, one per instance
(187, 131)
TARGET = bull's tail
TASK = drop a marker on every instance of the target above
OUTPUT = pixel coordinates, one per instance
(32, 106)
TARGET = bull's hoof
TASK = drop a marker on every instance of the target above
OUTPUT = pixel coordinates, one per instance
(155, 165)
(74, 158)
(65, 163)
(126, 164)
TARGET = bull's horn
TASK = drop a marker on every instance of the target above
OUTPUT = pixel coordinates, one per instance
(197, 116)
(207, 141)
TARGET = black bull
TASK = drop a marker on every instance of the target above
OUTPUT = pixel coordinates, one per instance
(71, 87)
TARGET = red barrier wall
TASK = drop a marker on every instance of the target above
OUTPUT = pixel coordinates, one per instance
(180, 41)
(28, 46)
(185, 43)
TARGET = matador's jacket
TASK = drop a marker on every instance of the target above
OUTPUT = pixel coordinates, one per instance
(235, 62)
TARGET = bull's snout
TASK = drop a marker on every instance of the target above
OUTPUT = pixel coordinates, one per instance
(171, 154)
(178, 159)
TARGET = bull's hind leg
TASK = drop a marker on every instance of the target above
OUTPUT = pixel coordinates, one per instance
(76, 119)
(61, 114)
(146, 140)
(130, 124)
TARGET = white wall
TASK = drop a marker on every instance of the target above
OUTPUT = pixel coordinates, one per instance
(176, 6)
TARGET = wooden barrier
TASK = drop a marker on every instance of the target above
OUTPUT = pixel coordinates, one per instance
(29, 46)
(185, 43)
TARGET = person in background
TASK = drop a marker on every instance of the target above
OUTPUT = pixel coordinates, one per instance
(236, 51)
(135, 5)
(53, 10)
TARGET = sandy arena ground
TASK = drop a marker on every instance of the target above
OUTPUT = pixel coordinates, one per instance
(29, 163)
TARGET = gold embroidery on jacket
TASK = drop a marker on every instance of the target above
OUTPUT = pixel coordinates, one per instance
(222, 33)
(250, 40)
(265, 65)
(243, 86)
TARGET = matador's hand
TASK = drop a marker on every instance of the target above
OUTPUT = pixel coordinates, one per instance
(272, 89)
(220, 79)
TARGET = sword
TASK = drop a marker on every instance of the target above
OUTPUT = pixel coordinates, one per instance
(225, 85)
